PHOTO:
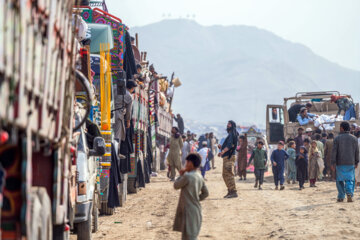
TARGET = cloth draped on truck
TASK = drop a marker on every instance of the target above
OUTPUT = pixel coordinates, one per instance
(127, 148)
(129, 59)
(115, 179)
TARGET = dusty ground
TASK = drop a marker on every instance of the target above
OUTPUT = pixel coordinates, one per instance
(289, 214)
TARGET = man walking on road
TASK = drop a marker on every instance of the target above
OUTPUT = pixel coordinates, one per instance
(345, 155)
(212, 149)
(242, 157)
(176, 144)
(228, 154)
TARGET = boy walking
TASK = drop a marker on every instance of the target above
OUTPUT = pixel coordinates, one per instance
(278, 158)
(291, 162)
(205, 162)
(260, 158)
(188, 217)
(301, 166)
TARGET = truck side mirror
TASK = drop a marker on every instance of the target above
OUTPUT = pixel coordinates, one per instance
(98, 147)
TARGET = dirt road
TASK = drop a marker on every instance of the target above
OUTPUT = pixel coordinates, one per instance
(267, 214)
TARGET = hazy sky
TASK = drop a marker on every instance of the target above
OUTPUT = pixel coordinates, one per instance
(331, 28)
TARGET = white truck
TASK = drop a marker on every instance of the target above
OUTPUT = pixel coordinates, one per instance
(280, 128)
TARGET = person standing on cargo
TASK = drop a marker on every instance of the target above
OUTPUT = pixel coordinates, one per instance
(228, 149)
(123, 110)
(345, 104)
(176, 145)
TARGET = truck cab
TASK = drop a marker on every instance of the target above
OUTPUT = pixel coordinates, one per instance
(280, 128)
(89, 146)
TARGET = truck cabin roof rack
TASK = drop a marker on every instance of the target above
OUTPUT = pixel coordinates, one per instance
(312, 95)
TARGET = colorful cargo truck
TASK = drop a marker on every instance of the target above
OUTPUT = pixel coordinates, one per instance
(108, 69)
(37, 75)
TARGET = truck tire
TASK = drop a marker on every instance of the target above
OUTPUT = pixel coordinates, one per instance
(84, 229)
(95, 213)
(105, 210)
(41, 216)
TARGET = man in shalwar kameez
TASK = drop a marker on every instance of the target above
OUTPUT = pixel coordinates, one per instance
(345, 157)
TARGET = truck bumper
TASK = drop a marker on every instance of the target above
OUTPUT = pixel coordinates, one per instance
(82, 211)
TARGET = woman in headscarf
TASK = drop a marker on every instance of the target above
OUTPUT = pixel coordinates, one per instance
(314, 158)
(173, 158)
(345, 104)
(242, 156)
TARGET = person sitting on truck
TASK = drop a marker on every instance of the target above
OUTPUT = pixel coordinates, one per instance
(345, 104)
(294, 110)
(304, 117)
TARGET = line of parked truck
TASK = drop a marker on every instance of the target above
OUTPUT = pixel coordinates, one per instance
(61, 65)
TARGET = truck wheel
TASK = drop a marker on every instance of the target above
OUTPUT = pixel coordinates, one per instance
(84, 229)
(105, 209)
(95, 214)
(41, 218)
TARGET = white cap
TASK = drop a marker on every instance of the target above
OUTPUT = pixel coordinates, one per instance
(308, 130)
